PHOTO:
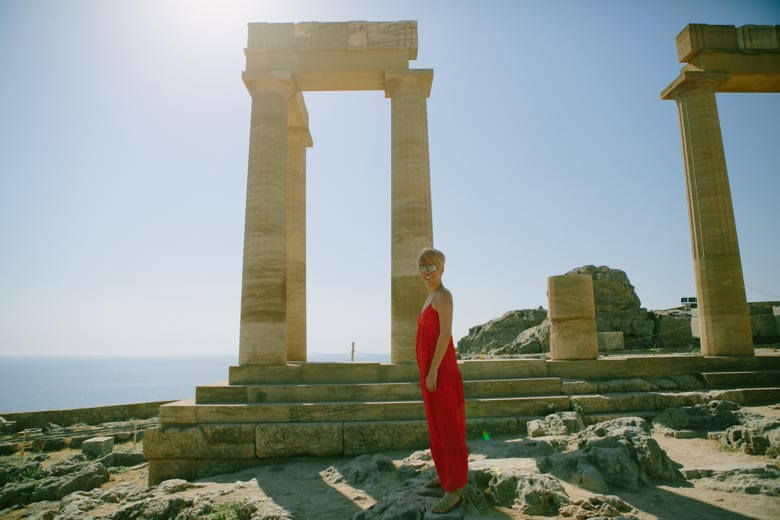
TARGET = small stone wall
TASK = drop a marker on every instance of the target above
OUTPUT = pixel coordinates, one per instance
(92, 415)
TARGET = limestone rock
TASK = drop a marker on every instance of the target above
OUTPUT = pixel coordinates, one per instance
(757, 436)
(359, 470)
(712, 416)
(599, 507)
(530, 341)
(399, 504)
(673, 328)
(122, 458)
(621, 450)
(559, 423)
(80, 477)
(530, 492)
(500, 332)
(762, 479)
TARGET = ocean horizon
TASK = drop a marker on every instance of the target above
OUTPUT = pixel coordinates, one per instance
(55, 383)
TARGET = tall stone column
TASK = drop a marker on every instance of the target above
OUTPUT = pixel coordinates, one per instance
(298, 139)
(724, 318)
(411, 227)
(263, 335)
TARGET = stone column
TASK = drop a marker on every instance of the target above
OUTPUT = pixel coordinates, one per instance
(263, 336)
(298, 139)
(411, 227)
(724, 318)
(572, 317)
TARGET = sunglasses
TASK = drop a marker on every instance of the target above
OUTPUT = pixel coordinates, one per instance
(430, 268)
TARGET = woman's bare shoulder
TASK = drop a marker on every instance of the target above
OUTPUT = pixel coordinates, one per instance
(444, 297)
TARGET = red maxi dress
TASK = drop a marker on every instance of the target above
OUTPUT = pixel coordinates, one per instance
(445, 408)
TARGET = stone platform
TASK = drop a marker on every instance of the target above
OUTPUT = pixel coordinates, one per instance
(321, 409)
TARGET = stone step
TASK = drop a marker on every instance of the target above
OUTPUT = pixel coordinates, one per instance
(223, 393)
(610, 367)
(649, 401)
(188, 412)
(762, 378)
(184, 451)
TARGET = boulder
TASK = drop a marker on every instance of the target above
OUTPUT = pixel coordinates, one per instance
(712, 416)
(559, 423)
(756, 436)
(500, 332)
(529, 492)
(621, 451)
(533, 340)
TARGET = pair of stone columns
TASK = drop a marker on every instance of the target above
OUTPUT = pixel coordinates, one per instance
(274, 268)
(273, 295)
(724, 317)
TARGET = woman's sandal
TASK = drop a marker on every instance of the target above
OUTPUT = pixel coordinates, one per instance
(447, 503)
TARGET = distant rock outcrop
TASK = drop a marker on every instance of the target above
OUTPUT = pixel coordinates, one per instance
(500, 333)
(618, 309)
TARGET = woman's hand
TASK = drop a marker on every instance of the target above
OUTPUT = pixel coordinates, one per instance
(430, 380)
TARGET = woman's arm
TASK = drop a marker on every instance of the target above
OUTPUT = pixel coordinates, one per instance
(443, 306)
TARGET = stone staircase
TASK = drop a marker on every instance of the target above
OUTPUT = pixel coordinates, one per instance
(323, 409)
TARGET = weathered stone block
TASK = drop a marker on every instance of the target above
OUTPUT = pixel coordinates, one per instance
(289, 439)
(571, 296)
(369, 437)
(204, 441)
(611, 341)
(97, 446)
(490, 426)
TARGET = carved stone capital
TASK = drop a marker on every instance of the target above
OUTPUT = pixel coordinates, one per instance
(415, 79)
(690, 80)
(274, 81)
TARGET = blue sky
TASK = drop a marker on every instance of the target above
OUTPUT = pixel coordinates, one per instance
(124, 144)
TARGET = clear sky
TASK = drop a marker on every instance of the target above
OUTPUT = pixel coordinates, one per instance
(124, 131)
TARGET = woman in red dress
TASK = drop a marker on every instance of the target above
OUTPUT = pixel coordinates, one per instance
(441, 383)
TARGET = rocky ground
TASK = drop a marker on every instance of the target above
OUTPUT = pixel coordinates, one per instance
(713, 461)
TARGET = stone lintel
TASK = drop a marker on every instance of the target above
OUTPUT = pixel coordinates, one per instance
(699, 38)
(688, 80)
(332, 56)
(354, 36)
(415, 78)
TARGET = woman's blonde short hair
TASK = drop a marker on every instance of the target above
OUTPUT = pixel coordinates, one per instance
(430, 255)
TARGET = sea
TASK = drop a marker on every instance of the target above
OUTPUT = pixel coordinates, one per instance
(54, 383)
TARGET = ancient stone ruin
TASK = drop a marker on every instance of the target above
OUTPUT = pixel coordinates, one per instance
(275, 403)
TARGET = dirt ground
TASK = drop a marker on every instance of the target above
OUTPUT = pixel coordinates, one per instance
(298, 486)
